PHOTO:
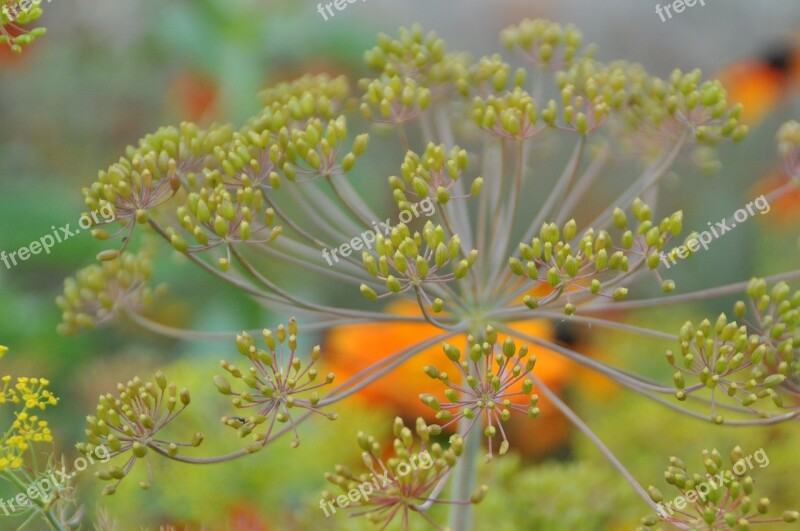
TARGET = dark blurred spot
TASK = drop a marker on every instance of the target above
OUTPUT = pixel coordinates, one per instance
(566, 333)
(779, 56)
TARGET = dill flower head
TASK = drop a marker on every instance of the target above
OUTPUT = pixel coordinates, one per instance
(278, 384)
(749, 363)
(130, 423)
(720, 498)
(98, 293)
(407, 482)
(497, 383)
(523, 169)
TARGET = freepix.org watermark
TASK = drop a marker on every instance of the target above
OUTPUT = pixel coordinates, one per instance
(367, 238)
(59, 235)
(45, 487)
(340, 5)
(422, 460)
(714, 482)
(718, 229)
(678, 6)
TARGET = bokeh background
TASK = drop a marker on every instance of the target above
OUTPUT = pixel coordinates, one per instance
(109, 72)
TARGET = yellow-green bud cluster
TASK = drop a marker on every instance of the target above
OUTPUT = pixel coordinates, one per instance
(544, 43)
(491, 75)
(218, 215)
(498, 388)
(275, 385)
(417, 465)
(11, 11)
(403, 260)
(720, 497)
(777, 322)
(562, 258)
(309, 96)
(97, 293)
(698, 107)
(315, 149)
(416, 55)
(129, 421)
(285, 142)
(433, 174)
(511, 114)
(724, 356)
(394, 100)
(591, 90)
(150, 175)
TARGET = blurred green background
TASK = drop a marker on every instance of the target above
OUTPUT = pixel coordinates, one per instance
(108, 73)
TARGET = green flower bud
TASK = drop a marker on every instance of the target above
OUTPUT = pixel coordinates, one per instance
(393, 284)
(620, 219)
(139, 450)
(222, 384)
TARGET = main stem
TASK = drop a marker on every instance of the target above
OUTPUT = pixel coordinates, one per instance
(465, 477)
(46, 512)
(466, 473)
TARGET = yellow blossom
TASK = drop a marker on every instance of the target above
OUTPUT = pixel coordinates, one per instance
(27, 428)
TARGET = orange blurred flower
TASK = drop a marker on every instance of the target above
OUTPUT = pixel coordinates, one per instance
(195, 95)
(245, 517)
(764, 83)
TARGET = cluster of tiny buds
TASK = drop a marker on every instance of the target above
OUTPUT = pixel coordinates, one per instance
(98, 293)
(215, 216)
(431, 175)
(490, 382)
(417, 258)
(544, 43)
(310, 95)
(716, 355)
(409, 481)
(20, 14)
(413, 56)
(134, 187)
(396, 100)
(491, 75)
(151, 174)
(777, 321)
(721, 498)
(512, 114)
(556, 258)
(276, 384)
(130, 423)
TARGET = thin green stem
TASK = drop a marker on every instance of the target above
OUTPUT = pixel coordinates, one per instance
(425, 313)
(719, 291)
(576, 420)
(46, 512)
(511, 314)
(647, 179)
(465, 479)
(377, 370)
(620, 376)
(347, 203)
(557, 193)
